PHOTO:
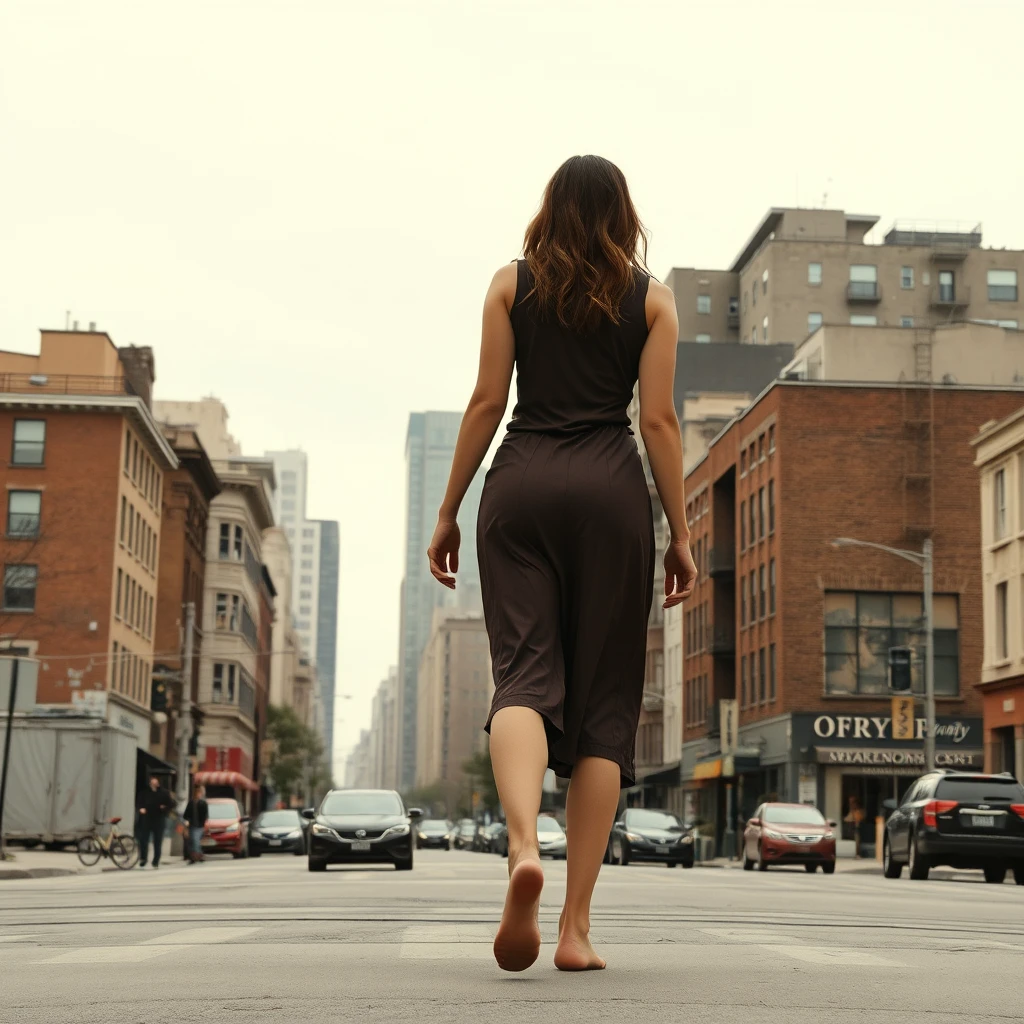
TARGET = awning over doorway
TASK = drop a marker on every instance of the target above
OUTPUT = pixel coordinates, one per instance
(234, 779)
(663, 775)
(152, 765)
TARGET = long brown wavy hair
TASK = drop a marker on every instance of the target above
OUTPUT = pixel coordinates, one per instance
(585, 244)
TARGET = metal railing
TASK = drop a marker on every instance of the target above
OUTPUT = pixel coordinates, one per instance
(946, 297)
(863, 291)
(63, 384)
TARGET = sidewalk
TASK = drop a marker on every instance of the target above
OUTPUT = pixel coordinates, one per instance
(56, 864)
(844, 865)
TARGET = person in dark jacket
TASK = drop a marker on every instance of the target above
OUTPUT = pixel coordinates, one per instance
(196, 814)
(154, 805)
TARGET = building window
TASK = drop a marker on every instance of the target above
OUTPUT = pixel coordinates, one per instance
(1002, 286)
(308, 532)
(753, 519)
(947, 286)
(236, 550)
(762, 676)
(861, 627)
(743, 682)
(743, 602)
(29, 443)
(864, 320)
(753, 597)
(760, 448)
(743, 462)
(704, 304)
(288, 505)
(763, 601)
(20, 587)
(224, 551)
(743, 526)
(23, 513)
(764, 283)
(813, 322)
(307, 563)
(1002, 622)
(703, 339)
(288, 489)
(771, 673)
(753, 678)
(771, 439)
(814, 273)
(771, 506)
(761, 504)
(117, 597)
(224, 678)
(127, 452)
(306, 580)
(249, 630)
(999, 502)
(753, 335)
(906, 277)
(771, 587)
(906, 321)
(307, 549)
(764, 324)
(863, 281)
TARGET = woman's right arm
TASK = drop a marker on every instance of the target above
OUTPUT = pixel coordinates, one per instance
(659, 428)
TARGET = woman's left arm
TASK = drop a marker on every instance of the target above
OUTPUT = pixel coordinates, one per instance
(480, 423)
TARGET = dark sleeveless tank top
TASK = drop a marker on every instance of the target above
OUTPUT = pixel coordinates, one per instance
(568, 382)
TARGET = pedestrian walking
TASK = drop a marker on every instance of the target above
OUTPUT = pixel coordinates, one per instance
(197, 812)
(154, 805)
(565, 531)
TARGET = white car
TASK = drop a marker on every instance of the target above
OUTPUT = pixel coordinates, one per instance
(550, 838)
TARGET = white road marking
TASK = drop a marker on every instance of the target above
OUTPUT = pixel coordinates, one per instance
(825, 956)
(16, 938)
(109, 955)
(199, 936)
(755, 936)
(445, 942)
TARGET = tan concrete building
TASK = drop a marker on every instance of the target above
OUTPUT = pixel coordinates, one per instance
(802, 268)
(285, 650)
(384, 732)
(453, 699)
(999, 450)
(208, 417)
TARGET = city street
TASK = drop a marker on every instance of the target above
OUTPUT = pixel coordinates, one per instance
(264, 938)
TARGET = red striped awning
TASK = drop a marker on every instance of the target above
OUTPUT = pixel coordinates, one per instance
(234, 779)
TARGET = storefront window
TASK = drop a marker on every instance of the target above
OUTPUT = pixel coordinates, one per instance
(860, 628)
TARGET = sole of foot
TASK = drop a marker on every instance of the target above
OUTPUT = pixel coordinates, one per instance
(517, 944)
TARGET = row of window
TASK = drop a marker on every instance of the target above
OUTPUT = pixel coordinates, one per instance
(142, 470)
(232, 685)
(757, 451)
(130, 674)
(137, 535)
(24, 513)
(696, 700)
(1002, 527)
(697, 508)
(232, 614)
(757, 677)
(695, 630)
(232, 546)
(757, 516)
(133, 605)
(757, 594)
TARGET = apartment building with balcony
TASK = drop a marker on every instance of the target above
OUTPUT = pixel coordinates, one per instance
(999, 457)
(238, 591)
(797, 633)
(83, 483)
(802, 268)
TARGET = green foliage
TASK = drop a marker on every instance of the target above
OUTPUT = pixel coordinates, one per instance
(298, 767)
(480, 773)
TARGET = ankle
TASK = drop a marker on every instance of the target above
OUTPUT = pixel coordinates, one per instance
(521, 852)
(575, 923)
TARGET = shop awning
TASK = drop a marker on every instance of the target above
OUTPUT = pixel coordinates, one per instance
(663, 775)
(708, 769)
(234, 779)
(152, 765)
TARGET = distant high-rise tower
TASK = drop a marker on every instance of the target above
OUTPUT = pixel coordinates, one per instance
(430, 446)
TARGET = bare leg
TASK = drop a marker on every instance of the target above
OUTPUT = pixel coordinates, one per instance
(590, 811)
(519, 755)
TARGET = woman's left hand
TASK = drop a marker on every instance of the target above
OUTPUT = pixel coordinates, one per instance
(444, 552)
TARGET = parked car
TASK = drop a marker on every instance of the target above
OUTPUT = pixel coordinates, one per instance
(960, 819)
(789, 834)
(484, 835)
(281, 831)
(225, 830)
(433, 832)
(464, 834)
(648, 834)
(551, 838)
(499, 841)
(361, 826)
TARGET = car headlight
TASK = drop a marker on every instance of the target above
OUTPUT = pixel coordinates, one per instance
(323, 830)
(395, 830)
(829, 835)
(773, 835)
(297, 834)
(633, 838)
(686, 839)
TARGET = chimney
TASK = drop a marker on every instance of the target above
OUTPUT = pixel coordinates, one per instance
(74, 325)
(139, 371)
(92, 326)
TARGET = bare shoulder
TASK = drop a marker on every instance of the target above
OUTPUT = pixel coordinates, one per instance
(660, 301)
(504, 283)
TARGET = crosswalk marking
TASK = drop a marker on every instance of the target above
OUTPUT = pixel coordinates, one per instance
(108, 955)
(823, 956)
(755, 936)
(16, 938)
(199, 936)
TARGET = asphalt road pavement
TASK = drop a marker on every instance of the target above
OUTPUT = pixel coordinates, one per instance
(264, 939)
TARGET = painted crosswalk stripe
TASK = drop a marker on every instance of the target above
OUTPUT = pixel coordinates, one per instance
(827, 957)
(199, 936)
(16, 938)
(755, 936)
(108, 955)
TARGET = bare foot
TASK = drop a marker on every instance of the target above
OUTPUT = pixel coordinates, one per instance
(517, 944)
(574, 951)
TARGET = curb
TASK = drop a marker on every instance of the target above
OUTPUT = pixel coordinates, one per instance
(9, 873)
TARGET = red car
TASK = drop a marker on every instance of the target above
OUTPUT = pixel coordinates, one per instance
(225, 830)
(789, 834)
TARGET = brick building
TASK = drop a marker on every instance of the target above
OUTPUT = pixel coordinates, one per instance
(797, 633)
(83, 479)
(187, 493)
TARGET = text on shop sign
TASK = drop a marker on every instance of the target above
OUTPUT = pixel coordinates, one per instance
(863, 727)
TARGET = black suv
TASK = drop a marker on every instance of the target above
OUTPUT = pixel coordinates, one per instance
(960, 819)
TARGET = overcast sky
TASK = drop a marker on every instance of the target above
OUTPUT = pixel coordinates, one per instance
(299, 205)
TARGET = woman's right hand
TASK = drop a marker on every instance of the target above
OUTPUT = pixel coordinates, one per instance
(680, 573)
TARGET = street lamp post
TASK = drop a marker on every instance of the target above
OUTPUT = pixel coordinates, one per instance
(923, 559)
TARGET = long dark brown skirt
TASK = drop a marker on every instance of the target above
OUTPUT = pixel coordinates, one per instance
(565, 538)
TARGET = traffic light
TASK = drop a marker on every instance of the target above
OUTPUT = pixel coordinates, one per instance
(901, 661)
(158, 696)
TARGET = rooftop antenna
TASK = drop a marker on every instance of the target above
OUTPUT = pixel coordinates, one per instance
(67, 319)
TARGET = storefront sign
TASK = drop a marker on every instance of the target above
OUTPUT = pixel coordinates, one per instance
(708, 769)
(879, 727)
(896, 757)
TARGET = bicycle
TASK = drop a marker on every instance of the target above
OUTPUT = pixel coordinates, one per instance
(121, 849)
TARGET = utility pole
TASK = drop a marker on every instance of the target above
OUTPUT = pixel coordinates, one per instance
(15, 662)
(929, 658)
(184, 725)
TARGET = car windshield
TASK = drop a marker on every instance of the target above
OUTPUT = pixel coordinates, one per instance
(653, 819)
(361, 803)
(468, 830)
(793, 816)
(278, 818)
(548, 825)
(433, 825)
(980, 788)
(222, 810)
